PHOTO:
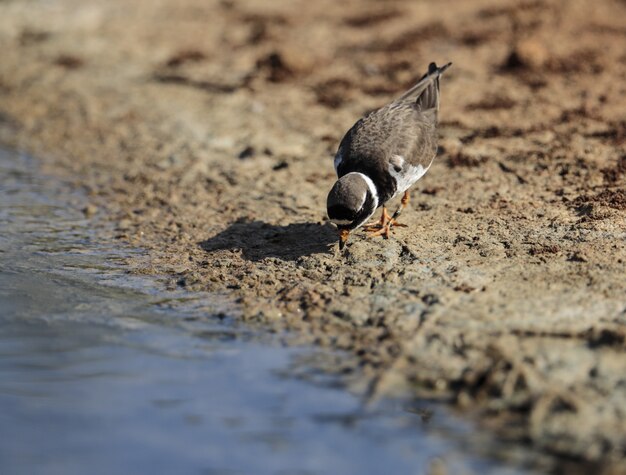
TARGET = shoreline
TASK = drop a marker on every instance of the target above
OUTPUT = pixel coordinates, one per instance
(108, 291)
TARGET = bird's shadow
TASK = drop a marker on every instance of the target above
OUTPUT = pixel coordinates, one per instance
(258, 240)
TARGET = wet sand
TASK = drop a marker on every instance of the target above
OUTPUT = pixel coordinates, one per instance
(204, 131)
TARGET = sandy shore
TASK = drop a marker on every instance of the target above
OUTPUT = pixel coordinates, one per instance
(205, 132)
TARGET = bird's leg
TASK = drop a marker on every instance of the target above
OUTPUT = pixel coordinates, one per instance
(387, 221)
(384, 227)
(375, 226)
(403, 202)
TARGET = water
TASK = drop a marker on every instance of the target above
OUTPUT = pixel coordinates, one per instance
(102, 372)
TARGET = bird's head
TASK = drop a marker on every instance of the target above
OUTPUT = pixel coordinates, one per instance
(351, 201)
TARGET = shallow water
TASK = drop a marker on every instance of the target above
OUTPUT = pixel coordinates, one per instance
(102, 372)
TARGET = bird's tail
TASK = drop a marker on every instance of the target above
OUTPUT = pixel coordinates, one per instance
(426, 91)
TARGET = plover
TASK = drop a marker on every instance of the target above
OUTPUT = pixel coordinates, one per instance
(382, 155)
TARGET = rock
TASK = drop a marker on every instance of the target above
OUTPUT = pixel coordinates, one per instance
(124, 224)
(89, 210)
(529, 53)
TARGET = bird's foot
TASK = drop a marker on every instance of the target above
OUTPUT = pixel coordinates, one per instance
(370, 227)
(384, 232)
(383, 227)
(377, 225)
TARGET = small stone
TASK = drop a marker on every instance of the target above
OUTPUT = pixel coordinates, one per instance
(124, 224)
(529, 53)
(246, 153)
(430, 299)
(280, 165)
(89, 210)
(577, 257)
(285, 64)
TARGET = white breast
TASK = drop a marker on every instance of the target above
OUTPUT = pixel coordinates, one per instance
(404, 174)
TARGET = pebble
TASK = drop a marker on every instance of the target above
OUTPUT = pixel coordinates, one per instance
(124, 224)
(89, 210)
(529, 53)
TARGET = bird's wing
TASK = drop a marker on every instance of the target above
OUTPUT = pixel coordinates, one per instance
(407, 136)
(426, 92)
(396, 136)
(404, 128)
(417, 142)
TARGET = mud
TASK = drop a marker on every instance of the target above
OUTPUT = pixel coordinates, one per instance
(205, 132)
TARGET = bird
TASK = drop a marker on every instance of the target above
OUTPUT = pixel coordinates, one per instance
(382, 155)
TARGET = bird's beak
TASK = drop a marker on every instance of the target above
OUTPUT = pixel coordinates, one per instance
(343, 237)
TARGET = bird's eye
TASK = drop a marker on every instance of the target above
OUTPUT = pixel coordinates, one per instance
(397, 168)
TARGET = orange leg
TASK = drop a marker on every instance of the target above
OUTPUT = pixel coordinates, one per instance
(376, 225)
(383, 228)
(403, 202)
